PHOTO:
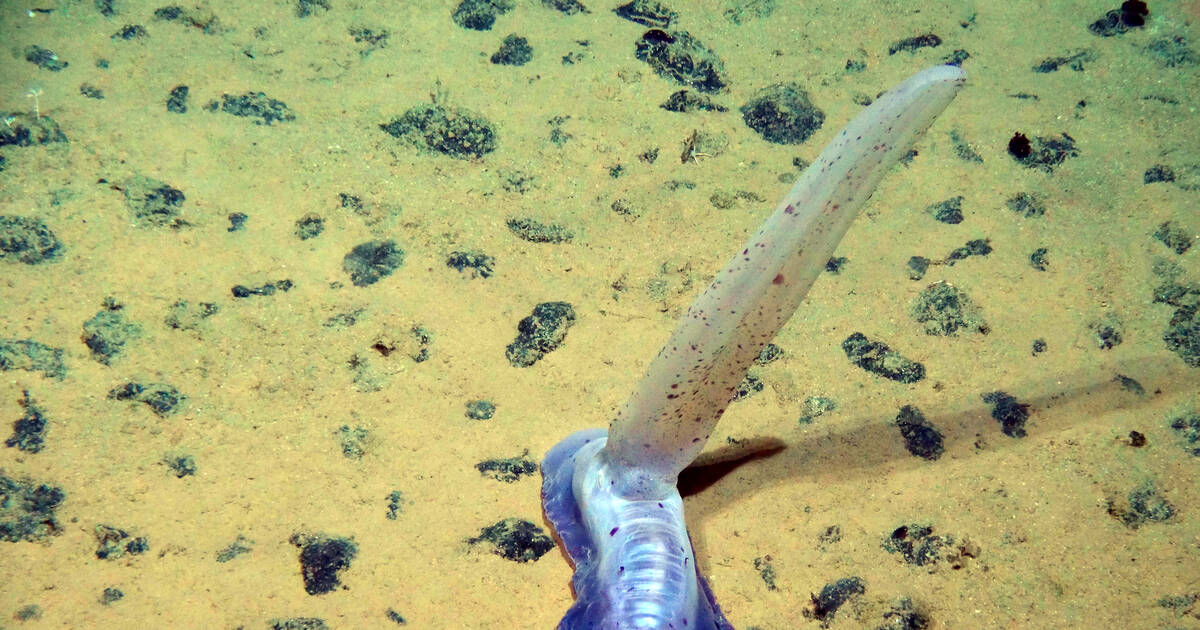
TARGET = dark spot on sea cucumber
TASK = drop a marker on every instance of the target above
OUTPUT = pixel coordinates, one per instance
(778, 279)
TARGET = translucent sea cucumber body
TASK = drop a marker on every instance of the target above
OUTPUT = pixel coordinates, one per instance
(634, 564)
(611, 495)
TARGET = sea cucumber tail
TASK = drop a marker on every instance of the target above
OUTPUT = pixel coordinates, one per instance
(673, 410)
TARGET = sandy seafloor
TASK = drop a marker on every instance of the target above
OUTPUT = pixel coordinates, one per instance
(269, 385)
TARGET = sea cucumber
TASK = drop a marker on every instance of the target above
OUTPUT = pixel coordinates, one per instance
(611, 497)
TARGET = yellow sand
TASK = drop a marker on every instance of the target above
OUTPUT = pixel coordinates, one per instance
(269, 386)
